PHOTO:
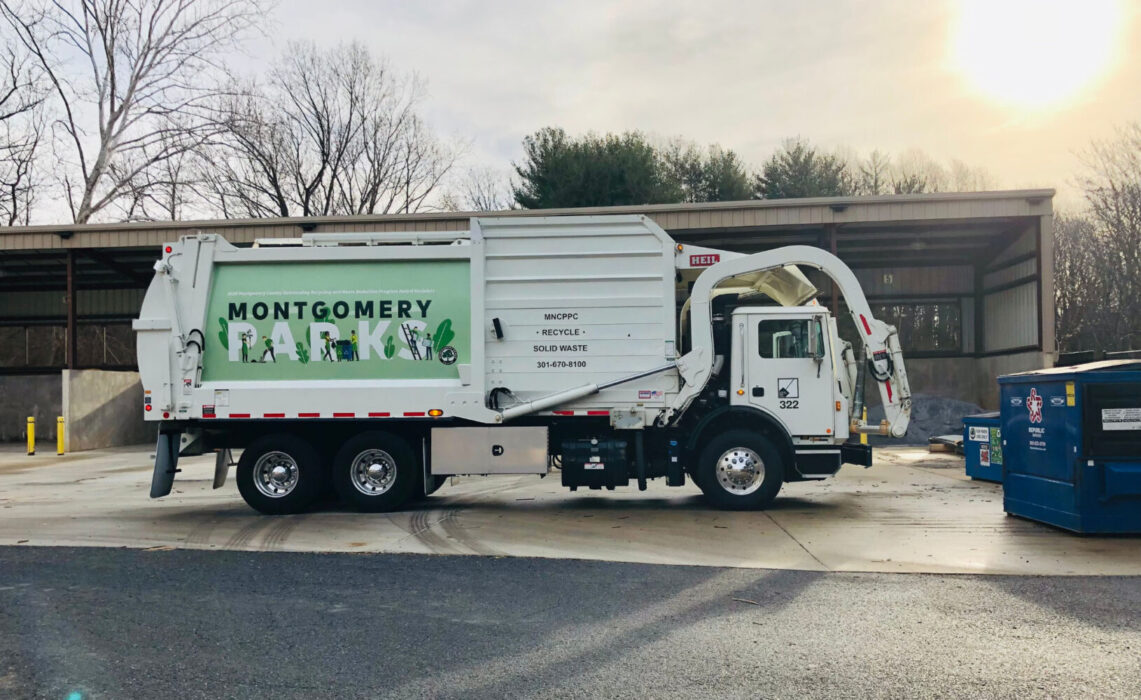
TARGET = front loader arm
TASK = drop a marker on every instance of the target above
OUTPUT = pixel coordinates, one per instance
(880, 340)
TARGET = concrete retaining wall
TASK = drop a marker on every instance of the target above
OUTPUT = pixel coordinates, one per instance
(24, 395)
(103, 409)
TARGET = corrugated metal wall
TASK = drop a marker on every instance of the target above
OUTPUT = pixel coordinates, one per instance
(1011, 318)
(1010, 301)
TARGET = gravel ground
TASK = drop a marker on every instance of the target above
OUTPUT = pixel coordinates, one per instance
(930, 415)
(110, 623)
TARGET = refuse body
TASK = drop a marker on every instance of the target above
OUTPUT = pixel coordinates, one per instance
(1071, 440)
(982, 446)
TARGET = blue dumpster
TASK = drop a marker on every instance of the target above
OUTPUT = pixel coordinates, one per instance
(982, 446)
(1072, 446)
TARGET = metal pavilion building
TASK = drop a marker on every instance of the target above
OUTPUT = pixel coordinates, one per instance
(966, 277)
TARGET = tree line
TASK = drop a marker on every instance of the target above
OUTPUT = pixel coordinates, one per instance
(560, 170)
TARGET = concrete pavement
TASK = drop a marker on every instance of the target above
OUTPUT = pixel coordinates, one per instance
(115, 623)
(912, 512)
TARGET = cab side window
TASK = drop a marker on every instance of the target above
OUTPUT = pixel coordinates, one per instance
(780, 338)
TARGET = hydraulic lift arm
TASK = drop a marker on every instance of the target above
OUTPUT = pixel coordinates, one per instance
(880, 340)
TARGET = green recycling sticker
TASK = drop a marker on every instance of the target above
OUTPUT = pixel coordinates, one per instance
(338, 320)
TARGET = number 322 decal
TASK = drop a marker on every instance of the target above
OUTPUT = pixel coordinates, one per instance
(789, 403)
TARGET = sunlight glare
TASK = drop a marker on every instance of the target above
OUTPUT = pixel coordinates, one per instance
(1034, 53)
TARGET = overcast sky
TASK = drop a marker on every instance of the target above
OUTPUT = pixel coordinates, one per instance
(743, 73)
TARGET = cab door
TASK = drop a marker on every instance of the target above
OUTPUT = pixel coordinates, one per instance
(781, 364)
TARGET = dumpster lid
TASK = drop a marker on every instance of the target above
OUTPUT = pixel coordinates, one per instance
(1103, 366)
(982, 416)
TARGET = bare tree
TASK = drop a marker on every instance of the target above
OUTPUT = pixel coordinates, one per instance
(331, 132)
(21, 132)
(966, 178)
(1099, 262)
(131, 82)
(480, 189)
(167, 189)
(915, 172)
(873, 174)
(1083, 286)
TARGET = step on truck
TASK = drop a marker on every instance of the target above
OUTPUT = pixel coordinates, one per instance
(376, 365)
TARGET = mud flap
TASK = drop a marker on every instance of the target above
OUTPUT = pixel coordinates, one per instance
(166, 464)
(222, 464)
(855, 453)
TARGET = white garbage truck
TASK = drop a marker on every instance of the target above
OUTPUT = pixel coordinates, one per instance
(376, 365)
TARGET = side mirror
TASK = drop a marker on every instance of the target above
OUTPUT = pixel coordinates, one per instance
(815, 340)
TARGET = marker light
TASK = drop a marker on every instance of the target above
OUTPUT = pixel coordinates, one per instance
(740, 392)
(148, 407)
(169, 249)
(435, 413)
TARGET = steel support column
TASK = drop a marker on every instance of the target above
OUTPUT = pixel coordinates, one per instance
(71, 344)
(831, 228)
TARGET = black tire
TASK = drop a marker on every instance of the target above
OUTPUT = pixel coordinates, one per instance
(736, 444)
(397, 479)
(291, 452)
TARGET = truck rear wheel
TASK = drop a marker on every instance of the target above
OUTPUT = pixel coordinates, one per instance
(375, 472)
(740, 470)
(279, 474)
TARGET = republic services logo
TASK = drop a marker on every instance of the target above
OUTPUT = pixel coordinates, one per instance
(1034, 404)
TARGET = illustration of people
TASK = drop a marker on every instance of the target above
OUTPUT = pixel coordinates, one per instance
(356, 348)
(426, 343)
(327, 352)
(268, 350)
(246, 347)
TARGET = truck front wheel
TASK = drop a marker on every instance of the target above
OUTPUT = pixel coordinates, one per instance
(740, 470)
(279, 474)
(375, 472)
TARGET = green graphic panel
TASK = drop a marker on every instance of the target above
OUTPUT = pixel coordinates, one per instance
(996, 446)
(338, 320)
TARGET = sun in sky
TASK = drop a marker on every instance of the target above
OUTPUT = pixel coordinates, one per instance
(1034, 53)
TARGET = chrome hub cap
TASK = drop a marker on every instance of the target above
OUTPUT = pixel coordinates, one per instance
(276, 474)
(373, 472)
(740, 471)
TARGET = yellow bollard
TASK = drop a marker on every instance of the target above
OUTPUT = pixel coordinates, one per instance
(31, 435)
(864, 419)
(59, 435)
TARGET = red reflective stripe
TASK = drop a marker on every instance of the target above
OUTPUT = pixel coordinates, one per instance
(239, 415)
(413, 413)
(209, 415)
(308, 415)
(275, 415)
(379, 414)
(344, 415)
(888, 385)
(563, 413)
(867, 328)
(598, 413)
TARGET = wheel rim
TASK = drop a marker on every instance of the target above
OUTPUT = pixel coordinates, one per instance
(373, 472)
(276, 474)
(740, 471)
